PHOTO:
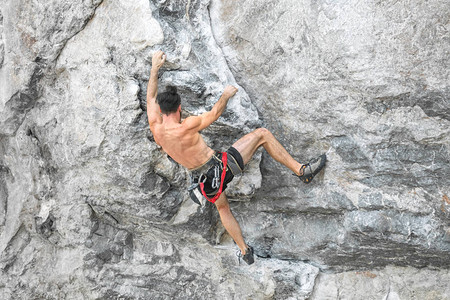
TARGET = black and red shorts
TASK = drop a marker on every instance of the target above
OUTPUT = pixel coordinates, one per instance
(206, 172)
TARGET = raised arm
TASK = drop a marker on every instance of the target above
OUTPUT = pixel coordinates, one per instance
(153, 110)
(204, 120)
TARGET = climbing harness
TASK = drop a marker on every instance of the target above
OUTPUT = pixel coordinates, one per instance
(198, 182)
(216, 179)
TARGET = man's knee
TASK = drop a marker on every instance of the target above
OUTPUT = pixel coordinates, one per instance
(222, 207)
(222, 203)
(262, 132)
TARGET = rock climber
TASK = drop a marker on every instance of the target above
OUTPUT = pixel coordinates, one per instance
(182, 141)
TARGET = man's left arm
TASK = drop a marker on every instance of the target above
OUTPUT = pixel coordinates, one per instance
(153, 110)
(204, 120)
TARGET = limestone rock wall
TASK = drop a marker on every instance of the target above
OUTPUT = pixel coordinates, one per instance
(91, 208)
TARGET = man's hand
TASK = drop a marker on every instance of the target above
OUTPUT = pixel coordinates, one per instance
(229, 91)
(158, 59)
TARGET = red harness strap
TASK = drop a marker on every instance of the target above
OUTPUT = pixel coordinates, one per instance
(222, 179)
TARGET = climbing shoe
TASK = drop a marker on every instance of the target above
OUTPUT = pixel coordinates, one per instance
(247, 257)
(311, 169)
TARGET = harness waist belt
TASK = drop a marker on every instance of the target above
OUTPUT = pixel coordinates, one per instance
(206, 166)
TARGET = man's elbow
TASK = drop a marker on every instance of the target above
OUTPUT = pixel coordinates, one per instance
(150, 99)
(215, 114)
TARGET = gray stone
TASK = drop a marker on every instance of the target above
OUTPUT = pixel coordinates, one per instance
(387, 283)
(105, 255)
(123, 238)
(307, 60)
(4, 172)
(85, 189)
(117, 249)
(2, 46)
(47, 227)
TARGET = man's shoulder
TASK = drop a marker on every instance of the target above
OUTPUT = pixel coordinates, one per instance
(192, 122)
(154, 125)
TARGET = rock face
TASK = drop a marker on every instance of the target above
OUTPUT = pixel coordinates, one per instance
(90, 207)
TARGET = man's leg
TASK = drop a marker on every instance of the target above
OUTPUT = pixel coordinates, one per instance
(229, 222)
(249, 143)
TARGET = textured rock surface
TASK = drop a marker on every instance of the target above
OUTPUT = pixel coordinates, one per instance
(369, 84)
(389, 283)
(91, 208)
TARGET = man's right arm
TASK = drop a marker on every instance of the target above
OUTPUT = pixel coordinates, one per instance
(153, 110)
(207, 118)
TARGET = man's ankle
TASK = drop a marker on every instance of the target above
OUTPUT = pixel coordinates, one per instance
(299, 171)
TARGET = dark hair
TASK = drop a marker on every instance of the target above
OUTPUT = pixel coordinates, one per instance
(169, 100)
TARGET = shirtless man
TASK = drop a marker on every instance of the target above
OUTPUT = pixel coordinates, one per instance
(182, 141)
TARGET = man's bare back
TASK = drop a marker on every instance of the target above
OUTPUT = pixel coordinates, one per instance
(182, 142)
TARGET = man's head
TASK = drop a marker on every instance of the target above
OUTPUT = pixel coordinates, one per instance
(169, 101)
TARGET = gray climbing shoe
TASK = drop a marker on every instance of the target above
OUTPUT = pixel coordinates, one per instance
(311, 169)
(247, 257)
